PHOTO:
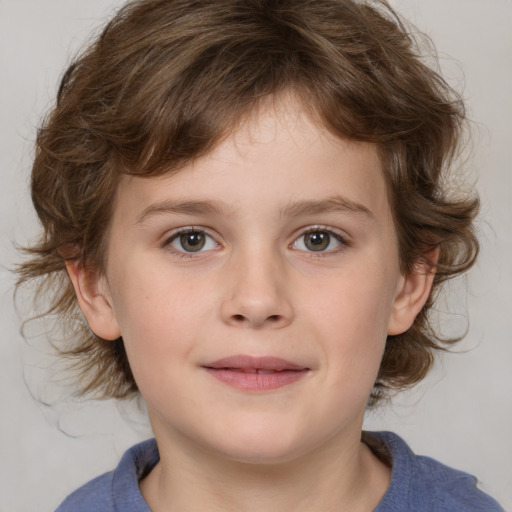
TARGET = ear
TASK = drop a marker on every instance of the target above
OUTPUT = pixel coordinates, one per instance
(94, 299)
(413, 291)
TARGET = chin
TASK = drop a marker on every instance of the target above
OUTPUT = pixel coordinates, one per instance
(267, 447)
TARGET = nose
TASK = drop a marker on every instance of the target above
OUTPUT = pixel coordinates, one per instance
(257, 292)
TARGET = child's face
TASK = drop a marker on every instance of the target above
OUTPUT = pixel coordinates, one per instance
(278, 244)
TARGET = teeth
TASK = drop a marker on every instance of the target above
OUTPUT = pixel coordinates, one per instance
(266, 372)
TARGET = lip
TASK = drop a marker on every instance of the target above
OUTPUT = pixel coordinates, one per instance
(256, 373)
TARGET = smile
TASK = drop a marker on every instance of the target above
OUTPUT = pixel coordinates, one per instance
(256, 374)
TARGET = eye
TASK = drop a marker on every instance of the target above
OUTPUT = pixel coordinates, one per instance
(319, 240)
(192, 240)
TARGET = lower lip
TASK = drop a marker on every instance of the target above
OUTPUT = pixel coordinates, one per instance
(257, 381)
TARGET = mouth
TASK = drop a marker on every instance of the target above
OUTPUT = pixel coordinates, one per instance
(256, 373)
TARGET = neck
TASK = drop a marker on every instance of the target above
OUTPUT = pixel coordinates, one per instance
(337, 476)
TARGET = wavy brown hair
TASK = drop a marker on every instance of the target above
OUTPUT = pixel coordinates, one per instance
(167, 79)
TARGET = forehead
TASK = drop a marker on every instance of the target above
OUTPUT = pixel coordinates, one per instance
(276, 156)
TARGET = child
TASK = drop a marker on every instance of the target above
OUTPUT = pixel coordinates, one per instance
(249, 200)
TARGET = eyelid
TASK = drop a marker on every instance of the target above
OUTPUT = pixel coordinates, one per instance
(339, 235)
(176, 233)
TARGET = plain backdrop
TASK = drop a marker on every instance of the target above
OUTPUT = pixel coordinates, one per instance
(461, 414)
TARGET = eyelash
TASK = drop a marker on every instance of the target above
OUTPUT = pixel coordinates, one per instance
(344, 243)
(177, 234)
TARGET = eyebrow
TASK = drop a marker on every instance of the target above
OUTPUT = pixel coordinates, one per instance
(293, 209)
(184, 208)
(331, 204)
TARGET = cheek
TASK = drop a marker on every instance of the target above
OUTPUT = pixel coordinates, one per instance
(151, 297)
(358, 301)
(161, 313)
(352, 314)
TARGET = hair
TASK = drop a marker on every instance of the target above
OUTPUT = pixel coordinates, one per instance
(167, 79)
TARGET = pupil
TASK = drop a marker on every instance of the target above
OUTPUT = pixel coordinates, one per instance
(317, 241)
(192, 242)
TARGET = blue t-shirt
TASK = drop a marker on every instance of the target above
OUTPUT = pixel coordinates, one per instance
(418, 484)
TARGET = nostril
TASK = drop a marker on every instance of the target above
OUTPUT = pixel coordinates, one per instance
(241, 318)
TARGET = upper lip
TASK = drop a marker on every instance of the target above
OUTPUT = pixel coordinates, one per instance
(247, 363)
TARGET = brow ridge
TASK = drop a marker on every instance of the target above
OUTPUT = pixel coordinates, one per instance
(298, 208)
(183, 208)
(331, 204)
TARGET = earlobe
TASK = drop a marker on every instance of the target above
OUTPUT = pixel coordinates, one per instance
(95, 301)
(413, 291)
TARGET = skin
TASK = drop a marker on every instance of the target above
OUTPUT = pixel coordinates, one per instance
(256, 288)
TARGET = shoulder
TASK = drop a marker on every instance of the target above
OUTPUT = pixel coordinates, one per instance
(94, 495)
(117, 490)
(423, 484)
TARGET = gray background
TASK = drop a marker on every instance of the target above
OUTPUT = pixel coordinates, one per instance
(461, 414)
